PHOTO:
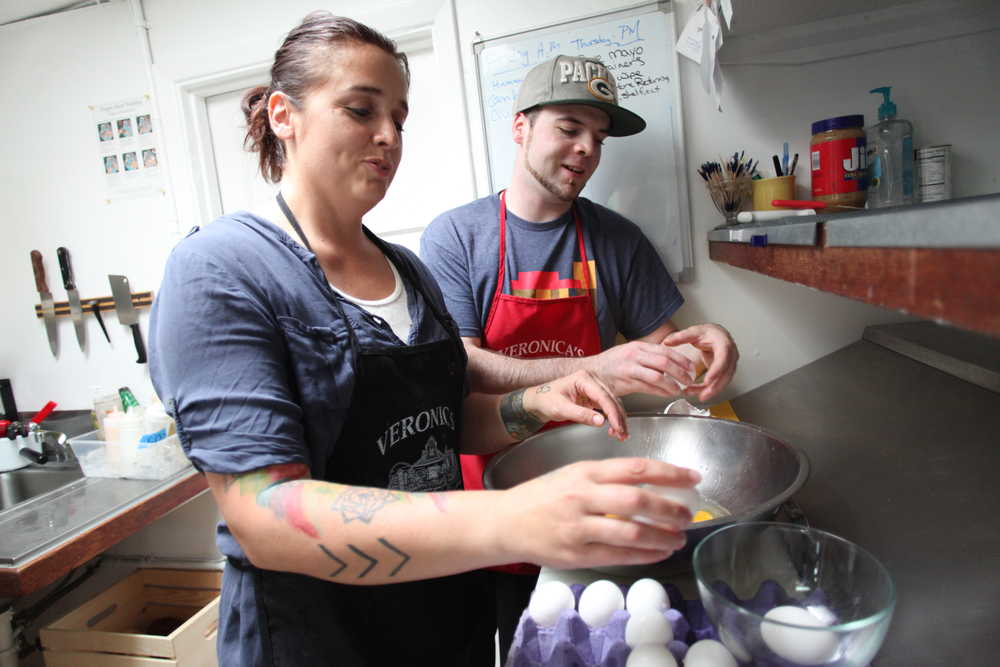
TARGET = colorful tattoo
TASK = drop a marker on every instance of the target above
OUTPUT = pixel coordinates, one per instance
(519, 422)
(253, 483)
(439, 501)
(286, 501)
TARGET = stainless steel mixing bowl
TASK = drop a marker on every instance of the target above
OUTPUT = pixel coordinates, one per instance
(744, 469)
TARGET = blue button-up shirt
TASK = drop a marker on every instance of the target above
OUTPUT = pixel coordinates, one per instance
(250, 354)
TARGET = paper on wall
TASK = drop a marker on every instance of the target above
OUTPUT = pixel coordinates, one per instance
(692, 44)
(715, 65)
(127, 137)
(727, 12)
(689, 44)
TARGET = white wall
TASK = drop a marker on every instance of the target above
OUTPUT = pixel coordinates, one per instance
(946, 88)
(57, 65)
(52, 186)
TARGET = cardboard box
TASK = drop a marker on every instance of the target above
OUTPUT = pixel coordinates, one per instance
(153, 617)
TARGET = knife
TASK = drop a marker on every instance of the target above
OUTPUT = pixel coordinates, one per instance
(75, 311)
(127, 314)
(48, 310)
(95, 308)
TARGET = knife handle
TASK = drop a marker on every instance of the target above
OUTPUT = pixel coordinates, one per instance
(140, 349)
(39, 269)
(64, 266)
(9, 405)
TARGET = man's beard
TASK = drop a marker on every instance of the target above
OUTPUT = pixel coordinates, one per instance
(566, 193)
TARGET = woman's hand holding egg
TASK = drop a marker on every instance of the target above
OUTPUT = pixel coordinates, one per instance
(562, 519)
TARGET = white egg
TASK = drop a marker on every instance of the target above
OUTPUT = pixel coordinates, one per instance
(599, 601)
(708, 653)
(648, 627)
(690, 498)
(650, 655)
(801, 645)
(646, 595)
(549, 601)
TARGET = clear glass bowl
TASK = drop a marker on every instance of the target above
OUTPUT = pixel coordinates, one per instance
(841, 598)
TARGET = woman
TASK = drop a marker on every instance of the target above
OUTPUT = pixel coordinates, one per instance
(317, 380)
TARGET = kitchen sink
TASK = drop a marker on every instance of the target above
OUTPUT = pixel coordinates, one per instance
(17, 486)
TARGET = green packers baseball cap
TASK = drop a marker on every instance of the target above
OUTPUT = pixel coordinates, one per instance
(577, 80)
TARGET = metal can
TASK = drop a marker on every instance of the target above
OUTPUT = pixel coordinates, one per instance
(934, 172)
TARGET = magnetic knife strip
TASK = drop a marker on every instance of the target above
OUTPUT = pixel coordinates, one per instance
(139, 300)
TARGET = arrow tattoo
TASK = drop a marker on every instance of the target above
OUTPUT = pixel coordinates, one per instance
(332, 556)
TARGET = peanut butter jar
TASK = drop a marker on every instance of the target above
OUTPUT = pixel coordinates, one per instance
(838, 162)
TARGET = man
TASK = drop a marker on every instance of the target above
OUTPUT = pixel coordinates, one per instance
(541, 280)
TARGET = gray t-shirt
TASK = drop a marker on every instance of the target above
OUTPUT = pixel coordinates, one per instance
(461, 247)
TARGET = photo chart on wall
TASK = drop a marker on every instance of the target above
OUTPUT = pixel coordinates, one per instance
(127, 136)
(641, 176)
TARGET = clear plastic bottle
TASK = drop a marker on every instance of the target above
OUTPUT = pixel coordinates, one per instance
(105, 402)
(890, 157)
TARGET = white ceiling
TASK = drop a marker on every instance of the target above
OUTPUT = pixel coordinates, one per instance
(751, 15)
(16, 10)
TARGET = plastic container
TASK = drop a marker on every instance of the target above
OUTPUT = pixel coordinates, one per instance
(105, 402)
(766, 190)
(838, 160)
(130, 460)
(890, 157)
(156, 418)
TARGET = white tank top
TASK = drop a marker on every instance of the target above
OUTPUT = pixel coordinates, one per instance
(394, 309)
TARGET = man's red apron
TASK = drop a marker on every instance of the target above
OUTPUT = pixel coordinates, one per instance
(533, 328)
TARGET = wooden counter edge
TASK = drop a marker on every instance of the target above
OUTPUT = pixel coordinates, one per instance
(954, 285)
(92, 541)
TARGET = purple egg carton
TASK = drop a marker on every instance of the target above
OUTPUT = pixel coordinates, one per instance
(572, 643)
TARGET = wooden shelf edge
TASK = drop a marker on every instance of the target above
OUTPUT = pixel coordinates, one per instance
(48, 567)
(957, 286)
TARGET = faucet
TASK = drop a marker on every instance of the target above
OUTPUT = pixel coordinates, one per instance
(13, 428)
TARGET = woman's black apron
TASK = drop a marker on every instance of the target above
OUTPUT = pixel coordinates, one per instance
(398, 391)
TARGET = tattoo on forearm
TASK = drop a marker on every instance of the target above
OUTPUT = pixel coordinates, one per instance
(369, 562)
(363, 503)
(333, 556)
(519, 422)
(543, 389)
(253, 483)
(439, 501)
(287, 501)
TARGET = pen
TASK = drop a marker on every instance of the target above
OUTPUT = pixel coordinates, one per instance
(795, 161)
(777, 166)
(784, 160)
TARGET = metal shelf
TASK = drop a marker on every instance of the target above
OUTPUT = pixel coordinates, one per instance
(940, 260)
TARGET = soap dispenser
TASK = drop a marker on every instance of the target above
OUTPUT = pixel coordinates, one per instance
(890, 156)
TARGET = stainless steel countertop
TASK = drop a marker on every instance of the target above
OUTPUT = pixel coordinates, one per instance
(904, 462)
(48, 521)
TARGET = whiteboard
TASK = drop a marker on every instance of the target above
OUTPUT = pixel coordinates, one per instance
(643, 177)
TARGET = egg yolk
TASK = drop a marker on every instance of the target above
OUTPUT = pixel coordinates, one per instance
(702, 515)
